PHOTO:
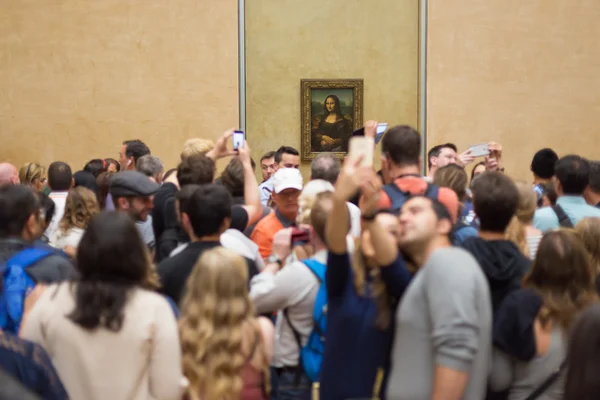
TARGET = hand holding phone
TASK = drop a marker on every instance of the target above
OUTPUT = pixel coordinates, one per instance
(479, 150)
(238, 139)
(362, 146)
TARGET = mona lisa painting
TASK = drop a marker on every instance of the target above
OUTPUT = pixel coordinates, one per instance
(331, 111)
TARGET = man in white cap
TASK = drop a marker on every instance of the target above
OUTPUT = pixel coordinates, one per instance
(287, 185)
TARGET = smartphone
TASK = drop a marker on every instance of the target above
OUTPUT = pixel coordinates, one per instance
(362, 146)
(479, 150)
(381, 128)
(299, 236)
(238, 139)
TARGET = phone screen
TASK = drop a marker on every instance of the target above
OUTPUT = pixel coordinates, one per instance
(362, 146)
(238, 139)
(381, 128)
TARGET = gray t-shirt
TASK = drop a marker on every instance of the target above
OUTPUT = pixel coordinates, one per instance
(444, 318)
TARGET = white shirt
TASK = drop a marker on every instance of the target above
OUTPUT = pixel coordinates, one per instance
(60, 199)
(354, 219)
(72, 237)
(236, 241)
(265, 189)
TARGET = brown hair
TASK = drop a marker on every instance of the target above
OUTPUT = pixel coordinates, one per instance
(402, 145)
(232, 177)
(103, 183)
(495, 199)
(454, 177)
(589, 232)
(319, 212)
(526, 206)
(196, 169)
(562, 274)
(80, 207)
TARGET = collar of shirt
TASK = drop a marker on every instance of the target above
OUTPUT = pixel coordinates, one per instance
(571, 200)
(284, 221)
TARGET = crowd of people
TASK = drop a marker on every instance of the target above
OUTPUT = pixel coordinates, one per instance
(125, 280)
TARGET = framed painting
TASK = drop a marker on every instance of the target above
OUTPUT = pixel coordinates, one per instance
(330, 111)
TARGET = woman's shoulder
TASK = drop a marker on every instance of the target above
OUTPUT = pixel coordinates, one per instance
(514, 324)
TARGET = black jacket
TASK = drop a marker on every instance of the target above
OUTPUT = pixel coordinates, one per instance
(502, 263)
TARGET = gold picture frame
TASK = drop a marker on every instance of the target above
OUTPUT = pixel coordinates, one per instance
(331, 109)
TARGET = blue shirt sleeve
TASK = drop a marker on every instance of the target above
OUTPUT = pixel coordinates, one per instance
(338, 273)
(396, 277)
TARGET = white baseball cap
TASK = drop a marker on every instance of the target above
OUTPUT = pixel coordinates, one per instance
(287, 178)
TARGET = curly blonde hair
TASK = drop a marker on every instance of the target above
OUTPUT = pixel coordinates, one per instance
(31, 172)
(196, 146)
(80, 207)
(216, 311)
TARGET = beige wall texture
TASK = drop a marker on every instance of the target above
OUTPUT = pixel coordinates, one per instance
(523, 73)
(77, 77)
(289, 40)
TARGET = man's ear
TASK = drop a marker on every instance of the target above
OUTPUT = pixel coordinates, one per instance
(31, 226)
(445, 226)
(123, 203)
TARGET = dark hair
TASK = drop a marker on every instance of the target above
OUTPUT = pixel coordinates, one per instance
(112, 161)
(267, 155)
(136, 149)
(594, 180)
(96, 167)
(573, 173)
(196, 169)
(325, 166)
(169, 173)
(208, 207)
(60, 176)
(17, 204)
(402, 145)
(47, 205)
(474, 168)
(285, 150)
(112, 260)
(103, 183)
(184, 195)
(495, 200)
(543, 163)
(336, 110)
(232, 178)
(581, 382)
(437, 150)
(319, 213)
(86, 180)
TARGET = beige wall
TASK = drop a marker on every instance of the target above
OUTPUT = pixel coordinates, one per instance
(524, 73)
(288, 40)
(77, 77)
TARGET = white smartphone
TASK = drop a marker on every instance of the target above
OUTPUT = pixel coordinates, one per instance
(381, 128)
(479, 150)
(238, 139)
(362, 146)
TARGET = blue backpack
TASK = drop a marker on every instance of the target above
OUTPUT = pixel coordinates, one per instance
(16, 285)
(398, 196)
(311, 354)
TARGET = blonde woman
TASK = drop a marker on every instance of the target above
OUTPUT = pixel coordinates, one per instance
(226, 349)
(33, 175)
(80, 207)
(521, 230)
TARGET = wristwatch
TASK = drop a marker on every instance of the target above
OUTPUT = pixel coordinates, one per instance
(274, 259)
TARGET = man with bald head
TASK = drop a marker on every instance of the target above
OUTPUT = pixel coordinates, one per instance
(9, 175)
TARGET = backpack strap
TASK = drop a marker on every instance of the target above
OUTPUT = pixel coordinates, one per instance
(394, 192)
(563, 218)
(317, 268)
(432, 191)
(27, 257)
(547, 383)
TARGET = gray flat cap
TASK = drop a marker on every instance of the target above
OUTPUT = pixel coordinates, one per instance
(132, 184)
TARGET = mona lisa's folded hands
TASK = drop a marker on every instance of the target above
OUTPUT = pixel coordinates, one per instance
(327, 140)
(371, 128)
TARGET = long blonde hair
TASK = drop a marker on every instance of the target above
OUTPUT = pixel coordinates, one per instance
(588, 230)
(215, 311)
(526, 207)
(80, 207)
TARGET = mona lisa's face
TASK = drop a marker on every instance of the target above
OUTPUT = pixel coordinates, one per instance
(330, 104)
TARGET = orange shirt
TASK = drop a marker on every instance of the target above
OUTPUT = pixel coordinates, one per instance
(264, 232)
(411, 184)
